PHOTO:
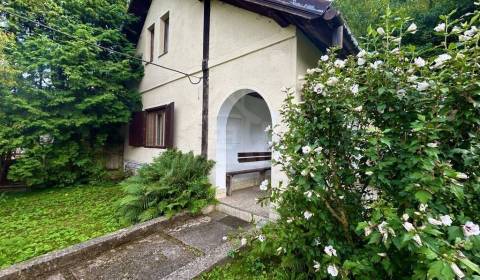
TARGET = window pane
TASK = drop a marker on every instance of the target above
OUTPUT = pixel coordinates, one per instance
(156, 129)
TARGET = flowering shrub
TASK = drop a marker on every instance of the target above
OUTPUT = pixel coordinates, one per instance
(383, 158)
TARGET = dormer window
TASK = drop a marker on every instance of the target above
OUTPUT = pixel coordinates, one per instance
(164, 37)
(151, 32)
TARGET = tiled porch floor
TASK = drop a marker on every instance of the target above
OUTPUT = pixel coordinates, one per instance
(246, 200)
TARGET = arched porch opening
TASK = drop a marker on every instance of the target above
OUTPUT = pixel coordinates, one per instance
(243, 143)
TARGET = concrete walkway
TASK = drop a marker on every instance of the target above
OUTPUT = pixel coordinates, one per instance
(180, 250)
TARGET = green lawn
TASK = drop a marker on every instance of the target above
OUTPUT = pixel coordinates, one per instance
(34, 223)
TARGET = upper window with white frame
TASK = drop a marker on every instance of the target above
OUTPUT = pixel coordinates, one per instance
(165, 34)
(151, 42)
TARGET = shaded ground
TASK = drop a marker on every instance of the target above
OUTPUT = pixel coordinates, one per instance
(182, 248)
(247, 199)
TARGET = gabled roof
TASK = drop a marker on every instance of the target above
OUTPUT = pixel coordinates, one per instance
(316, 18)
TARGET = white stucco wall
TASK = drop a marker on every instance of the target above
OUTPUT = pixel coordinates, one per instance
(249, 53)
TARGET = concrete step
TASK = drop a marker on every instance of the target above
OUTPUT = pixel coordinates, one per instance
(240, 213)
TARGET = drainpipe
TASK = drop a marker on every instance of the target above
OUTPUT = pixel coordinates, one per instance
(206, 75)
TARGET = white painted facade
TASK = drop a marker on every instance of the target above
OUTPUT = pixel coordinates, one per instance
(248, 53)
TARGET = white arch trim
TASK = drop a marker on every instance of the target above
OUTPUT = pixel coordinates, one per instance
(221, 133)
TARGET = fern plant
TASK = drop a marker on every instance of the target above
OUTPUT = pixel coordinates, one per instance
(175, 181)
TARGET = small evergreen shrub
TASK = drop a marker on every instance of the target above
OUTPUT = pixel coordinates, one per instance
(383, 157)
(175, 181)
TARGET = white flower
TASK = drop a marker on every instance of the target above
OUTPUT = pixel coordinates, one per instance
(381, 31)
(412, 28)
(316, 266)
(306, 150)
(471, 32)
(243, 241)
(464, 38)
(307, 215)
(376, 64)
(440, 27)
(304, 172)
(457, 271)
(311, 71)
(332, 270)
(408, 226)
(471, 229)
(361, 61)
(308, 194)
(395, 51)
(382, 227)
(441, 59)
(354, 89)
(261, 238)
(328, 110)
(446, 220)
(417, 239)
(368, 231)
(318, 150)
(318, 88)
(339, 63)
(420, 62)
(268, 128)
(462, 176)
(280, 250)
(460, 56)
(330, 251)
(423, 207)
(264, 185)
(358, 109)
(432, 145)
(456, 29)
(224, 238)
(422, 86)
(289, 220)
(369, 173)
(332, 81)
(362, 53)
(324, 57)
(405, 217)
(435, 222)
(412, 78)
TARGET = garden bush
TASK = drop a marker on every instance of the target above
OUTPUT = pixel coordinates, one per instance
(383, 157)
(175, 181)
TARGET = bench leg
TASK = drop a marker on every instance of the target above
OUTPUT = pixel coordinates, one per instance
(263, 176)
(229, 185)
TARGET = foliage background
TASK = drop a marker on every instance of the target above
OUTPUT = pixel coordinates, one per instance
(360, 14)
(70, 98)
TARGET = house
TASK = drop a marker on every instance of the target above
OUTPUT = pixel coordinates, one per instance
(234, 56)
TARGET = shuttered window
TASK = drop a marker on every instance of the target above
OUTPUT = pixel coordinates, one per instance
(153, 128)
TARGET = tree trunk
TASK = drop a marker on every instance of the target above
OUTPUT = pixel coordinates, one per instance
(5, 161)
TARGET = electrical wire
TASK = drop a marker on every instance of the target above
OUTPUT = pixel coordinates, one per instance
(189, 76)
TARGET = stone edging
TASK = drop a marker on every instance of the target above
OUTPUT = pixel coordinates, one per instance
(61, 258)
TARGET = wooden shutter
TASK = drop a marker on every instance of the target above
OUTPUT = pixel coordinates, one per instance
(137, 130)
(169, 125)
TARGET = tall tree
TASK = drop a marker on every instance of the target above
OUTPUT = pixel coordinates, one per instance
(71, 96)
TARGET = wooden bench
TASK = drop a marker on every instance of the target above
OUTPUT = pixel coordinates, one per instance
(249, 157)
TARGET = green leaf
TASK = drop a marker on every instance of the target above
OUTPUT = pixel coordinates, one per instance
(468, 263)
(423, 196)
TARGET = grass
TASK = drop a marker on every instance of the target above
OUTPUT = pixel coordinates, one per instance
(242, 266)
(35, 223)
